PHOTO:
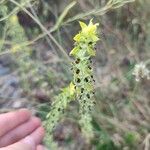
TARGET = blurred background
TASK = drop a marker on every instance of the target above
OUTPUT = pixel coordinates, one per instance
(36, 37)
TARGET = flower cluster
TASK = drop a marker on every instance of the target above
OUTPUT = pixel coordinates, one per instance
(83, 79)
(141, 71)
(82, 86)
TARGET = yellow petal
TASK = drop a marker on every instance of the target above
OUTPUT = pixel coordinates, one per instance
(90, 23)
(77, 37)
(82, 24)
(74, 51)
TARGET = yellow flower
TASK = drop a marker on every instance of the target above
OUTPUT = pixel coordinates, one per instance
(90, 28)
(70, 90)
(87, 32)
(15, 48)
(14, 19)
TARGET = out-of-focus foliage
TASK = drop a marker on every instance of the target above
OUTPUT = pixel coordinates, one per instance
(33, 50)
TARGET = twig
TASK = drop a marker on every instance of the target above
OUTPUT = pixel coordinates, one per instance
(146, 142)
(14, 11)
(111, 4)
(63, 15)
(43, 28)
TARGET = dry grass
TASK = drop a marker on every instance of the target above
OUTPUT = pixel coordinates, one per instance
(121, 117)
